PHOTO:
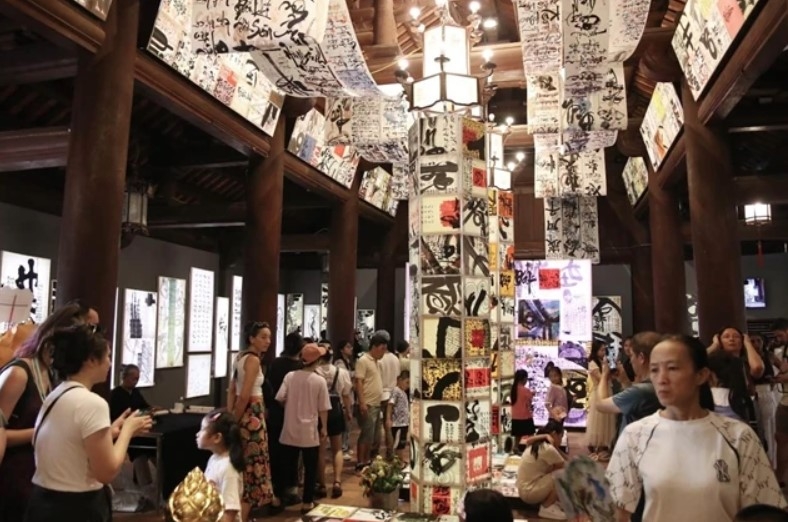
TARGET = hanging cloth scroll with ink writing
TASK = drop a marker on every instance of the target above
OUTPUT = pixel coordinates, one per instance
(306, 49)
(571, 228)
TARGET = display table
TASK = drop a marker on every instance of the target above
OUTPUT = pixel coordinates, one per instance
(331, 513)
(173, 443)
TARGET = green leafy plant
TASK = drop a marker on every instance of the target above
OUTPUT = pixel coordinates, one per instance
(382, 476)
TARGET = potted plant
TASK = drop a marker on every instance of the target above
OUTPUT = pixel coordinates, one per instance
(382, 481)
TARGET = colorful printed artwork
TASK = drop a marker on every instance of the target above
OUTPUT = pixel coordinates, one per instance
(662, 124)
(635, 175)
(441, 379)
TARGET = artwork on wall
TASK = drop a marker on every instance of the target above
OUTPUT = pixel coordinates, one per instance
(139, 333)
(662, 123)
(375, 188)
(236, 328)
(235, 79)
(312, 322)
(280, 323)
(294, 318)
(635, 175)
(571, 228)
(570, 174)
(608, 324)
(28, 273)
(365, 323)
(201, 294)
(52, 295)
(221, 332)
(692, 314)
(544, 287)
(323, 307)
(100, 8)
(198, 375)
(572, 360)
(171, 322)
(114, 344)
(338, 162)
(704, 34)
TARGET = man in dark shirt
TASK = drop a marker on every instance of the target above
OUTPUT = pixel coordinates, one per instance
(126, 395)
(284, 481)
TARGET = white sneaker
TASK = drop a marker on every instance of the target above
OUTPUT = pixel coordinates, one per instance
(346, 457)
(552, 512)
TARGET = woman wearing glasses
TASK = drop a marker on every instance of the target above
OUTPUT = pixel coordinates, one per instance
(245, 401)
(76, 456)
(24, 385)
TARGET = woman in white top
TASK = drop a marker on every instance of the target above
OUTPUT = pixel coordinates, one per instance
(536, 472)
(691, 463)
(74, 452)
(245, 401)
(305, 396)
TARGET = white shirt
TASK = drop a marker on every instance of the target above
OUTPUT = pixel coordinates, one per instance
(305, 394)
(61, 459)
(344, 385)
(227, 479)
(389, 371)
(701, 470)
(257, 387)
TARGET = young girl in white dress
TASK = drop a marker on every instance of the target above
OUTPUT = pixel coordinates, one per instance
(221, 436)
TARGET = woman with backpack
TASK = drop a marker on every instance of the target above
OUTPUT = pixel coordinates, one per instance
(340, 390)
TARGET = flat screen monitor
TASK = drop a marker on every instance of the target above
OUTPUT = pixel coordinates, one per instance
(754, 294)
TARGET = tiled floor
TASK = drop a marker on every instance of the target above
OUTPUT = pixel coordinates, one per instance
(353, 496)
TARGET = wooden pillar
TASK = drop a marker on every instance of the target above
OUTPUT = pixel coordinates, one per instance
(385, 315)
(342, 261)
(667, 259)
(89, 244)
(385, 23)
(265, 184)
(714, 223)
(642, 290)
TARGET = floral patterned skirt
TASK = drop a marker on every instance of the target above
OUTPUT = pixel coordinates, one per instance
(257, 475)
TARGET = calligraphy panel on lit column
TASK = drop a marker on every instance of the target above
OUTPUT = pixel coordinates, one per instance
(662, 123)
(233, 79)
(608, 324)
(375, 188)
(635, 175)
(571, 228)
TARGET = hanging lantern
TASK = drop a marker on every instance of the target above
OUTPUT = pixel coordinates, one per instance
(757, 214)
(135, 208)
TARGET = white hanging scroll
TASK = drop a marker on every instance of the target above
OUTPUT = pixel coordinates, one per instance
(233, 79)
(338, 162)
(306, 48)
(635, 177)
(662, 122)
(571, 228)
(376, 188)
(570, 174)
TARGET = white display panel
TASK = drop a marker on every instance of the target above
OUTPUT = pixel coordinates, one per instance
(312, 322)
(31, 273)
(235, 324)
(201, 310)
(222, 342)
(323, 306)
(171, 331)
(198, 376)
(294, 318)
(280, 323)
(139, 333)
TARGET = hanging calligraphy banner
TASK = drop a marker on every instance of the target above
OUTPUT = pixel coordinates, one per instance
(662, 123)
(571, 228)
(570, 174)
(376, 188)
(635, 176)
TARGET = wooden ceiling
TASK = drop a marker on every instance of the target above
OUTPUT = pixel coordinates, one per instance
(198, 181)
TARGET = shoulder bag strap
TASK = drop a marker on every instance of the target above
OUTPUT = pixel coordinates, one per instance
(49, 409)
(334, 384)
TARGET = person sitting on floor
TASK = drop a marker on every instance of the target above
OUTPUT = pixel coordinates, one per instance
(537, 471)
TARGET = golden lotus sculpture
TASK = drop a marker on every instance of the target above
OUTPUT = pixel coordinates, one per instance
(196, 500)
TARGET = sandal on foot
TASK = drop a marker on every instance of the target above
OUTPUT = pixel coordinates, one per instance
(336, 491)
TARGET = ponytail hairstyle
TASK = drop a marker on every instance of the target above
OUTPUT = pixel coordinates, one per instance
(520, 376)
(552, 426)
(700, 360)
(223, 423)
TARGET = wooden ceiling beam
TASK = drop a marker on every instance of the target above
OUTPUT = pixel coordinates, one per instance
(31, 149)
(775, 231)
(763, 118)
(508, 58)
(212, 157)
(772, 188)
(36, 62)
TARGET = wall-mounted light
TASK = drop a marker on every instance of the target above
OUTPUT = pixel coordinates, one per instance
(757, 214)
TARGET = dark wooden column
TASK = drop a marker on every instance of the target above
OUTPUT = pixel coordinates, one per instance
(89, 246)
(385, 316)
(529, 212)
(642, 289)
(265, 184)
(667, 258)
(342, 261)
(714, 223)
